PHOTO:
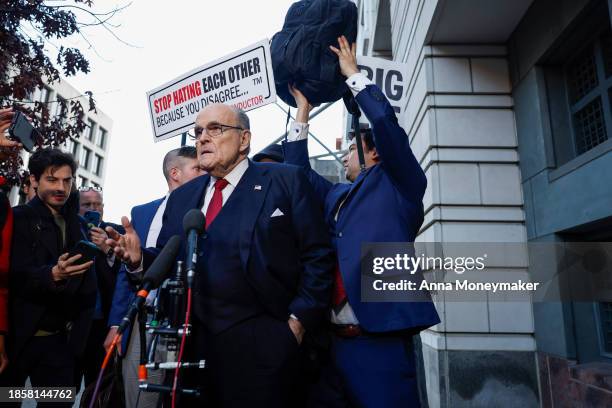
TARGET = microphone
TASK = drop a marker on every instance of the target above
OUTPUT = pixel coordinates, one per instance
(154, 276)
(194, 223)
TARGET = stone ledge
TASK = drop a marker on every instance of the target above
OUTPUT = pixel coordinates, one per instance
(593, 374)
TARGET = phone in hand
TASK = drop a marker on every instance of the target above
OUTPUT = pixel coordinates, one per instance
(92, 217)
(22, 130)
(88, 252)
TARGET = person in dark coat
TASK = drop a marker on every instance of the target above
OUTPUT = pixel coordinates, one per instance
(52, 295)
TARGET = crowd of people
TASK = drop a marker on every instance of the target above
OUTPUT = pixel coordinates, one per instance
(277, 309)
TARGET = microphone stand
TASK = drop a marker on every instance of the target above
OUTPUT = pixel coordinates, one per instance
(127, 321)
(171, 329)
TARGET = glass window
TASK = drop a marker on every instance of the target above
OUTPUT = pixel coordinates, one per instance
(82, 181)
(101, 137)
(91, 129)
(42, 94)
(85, 157)
(60, 111)
(589, 83)
(97, 165)
(74, 149)
(605, 315)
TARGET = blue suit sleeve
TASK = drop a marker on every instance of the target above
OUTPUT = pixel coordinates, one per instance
(393, 145)
(123, 290)
(121, 298)
(317, 256)
(296, 153)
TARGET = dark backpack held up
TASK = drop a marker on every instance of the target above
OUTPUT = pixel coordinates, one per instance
(301, 54)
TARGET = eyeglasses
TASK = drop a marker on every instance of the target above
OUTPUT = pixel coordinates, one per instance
(84, 189)
(212, 130)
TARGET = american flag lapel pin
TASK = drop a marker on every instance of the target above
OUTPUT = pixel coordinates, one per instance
(257, 187)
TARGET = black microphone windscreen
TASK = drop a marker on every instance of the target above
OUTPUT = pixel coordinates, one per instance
(162, 265)
(194, 220)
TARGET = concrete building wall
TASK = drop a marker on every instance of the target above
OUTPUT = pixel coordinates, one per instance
(461, 123)
(565, 196)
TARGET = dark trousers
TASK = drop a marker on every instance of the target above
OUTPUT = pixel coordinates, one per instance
(252, 364)
(368, 371)
(48, 362)
(89, 364)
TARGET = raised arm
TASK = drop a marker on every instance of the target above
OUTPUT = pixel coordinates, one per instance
(392, 143)
(295, 148)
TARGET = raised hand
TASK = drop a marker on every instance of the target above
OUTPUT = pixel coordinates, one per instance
(347, 56)
(304, 107)
(127, 246)
(6, 116)
(99, 236)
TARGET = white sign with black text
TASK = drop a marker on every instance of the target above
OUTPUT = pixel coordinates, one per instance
(243, 79)
(390, 76)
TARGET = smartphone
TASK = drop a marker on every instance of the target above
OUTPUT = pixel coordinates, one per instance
(93, 218)
(21, 129)
(88, 252)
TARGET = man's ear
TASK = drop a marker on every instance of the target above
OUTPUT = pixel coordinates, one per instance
(245, 141)
(174, 174)
(373, 153)
(33, 182)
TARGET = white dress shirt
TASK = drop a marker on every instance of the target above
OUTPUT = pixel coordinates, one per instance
(156, 224)
(152, 235)
(233, 178)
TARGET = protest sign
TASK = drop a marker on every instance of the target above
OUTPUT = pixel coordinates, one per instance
(243, 79)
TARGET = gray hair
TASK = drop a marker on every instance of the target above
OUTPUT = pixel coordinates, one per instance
(243, 119)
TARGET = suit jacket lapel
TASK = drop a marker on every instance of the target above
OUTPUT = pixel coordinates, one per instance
(251, 191)
(142, 227)
(343, 201)
(196, 200)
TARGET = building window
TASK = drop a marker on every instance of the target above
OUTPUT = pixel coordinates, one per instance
(82, 181)
(74, 148)
(91, 129)
(60, 112)
(85, 156)
(41, 94)
(605, 316)
(101, 137)
(589, 82)
(97, 165)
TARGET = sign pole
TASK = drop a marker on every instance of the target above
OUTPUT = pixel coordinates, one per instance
(183, 139)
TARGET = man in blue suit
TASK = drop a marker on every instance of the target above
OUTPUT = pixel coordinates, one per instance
(179, 166)
(264, 270)
(372, 362)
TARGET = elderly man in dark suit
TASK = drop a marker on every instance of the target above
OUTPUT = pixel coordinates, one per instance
(265, 264)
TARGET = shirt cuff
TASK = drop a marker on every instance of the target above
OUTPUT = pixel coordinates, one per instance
(357, 82)
(137, 270)
(298, 131)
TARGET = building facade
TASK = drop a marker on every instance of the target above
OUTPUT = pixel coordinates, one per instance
(510, 115)
(90, 150)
